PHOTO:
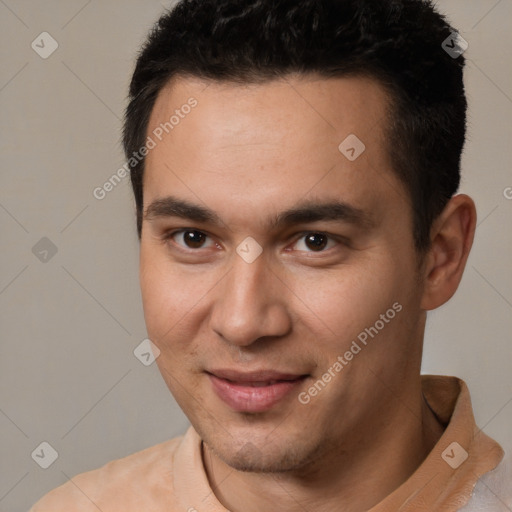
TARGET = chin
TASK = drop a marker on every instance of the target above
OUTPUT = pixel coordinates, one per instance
(261, 456)
(250, 459)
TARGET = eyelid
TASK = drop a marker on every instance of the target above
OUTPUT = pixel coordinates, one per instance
(338, 239)
(169, 235)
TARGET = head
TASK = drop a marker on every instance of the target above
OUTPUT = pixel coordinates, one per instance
(263, 246)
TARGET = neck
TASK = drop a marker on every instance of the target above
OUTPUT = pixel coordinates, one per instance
(352, 477)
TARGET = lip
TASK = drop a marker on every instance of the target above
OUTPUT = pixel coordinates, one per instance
(256, 391)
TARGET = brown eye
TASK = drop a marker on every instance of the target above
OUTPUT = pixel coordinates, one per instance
(316, 241)
(190, 239)
(193, 239)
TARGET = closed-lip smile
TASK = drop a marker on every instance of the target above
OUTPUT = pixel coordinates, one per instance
(253, 391)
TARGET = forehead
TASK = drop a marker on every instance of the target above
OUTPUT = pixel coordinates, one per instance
(271, 143)
(307, 105)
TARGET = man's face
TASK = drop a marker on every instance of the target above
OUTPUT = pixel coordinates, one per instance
(244, 336)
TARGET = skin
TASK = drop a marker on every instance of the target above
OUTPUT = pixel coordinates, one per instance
(248, 153)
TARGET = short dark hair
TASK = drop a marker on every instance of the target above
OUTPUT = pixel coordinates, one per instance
(398, 43)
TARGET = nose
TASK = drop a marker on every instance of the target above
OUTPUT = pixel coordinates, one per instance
(250, 304)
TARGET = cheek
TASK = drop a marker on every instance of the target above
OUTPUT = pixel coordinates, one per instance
(347, 299)
(173, 298)
(167, 309)
(347, 307)
(162, 292)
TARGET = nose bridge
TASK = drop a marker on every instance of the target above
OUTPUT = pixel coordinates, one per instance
(252, 283)
(250, 305)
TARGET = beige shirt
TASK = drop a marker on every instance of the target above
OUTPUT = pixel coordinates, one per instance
(171, 477)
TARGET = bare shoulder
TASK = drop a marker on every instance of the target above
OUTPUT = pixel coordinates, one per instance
(123, 481)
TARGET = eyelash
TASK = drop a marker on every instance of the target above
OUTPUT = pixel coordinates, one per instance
(170, 235)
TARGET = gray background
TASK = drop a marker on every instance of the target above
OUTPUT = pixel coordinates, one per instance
(68, 375)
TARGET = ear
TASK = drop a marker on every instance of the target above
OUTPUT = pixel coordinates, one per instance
(451, 239)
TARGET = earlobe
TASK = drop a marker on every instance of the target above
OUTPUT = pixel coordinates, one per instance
(451, 239)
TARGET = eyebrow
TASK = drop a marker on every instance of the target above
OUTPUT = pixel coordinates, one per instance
(303, 213)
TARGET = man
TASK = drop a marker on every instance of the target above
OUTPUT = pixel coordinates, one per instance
(295, 166)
